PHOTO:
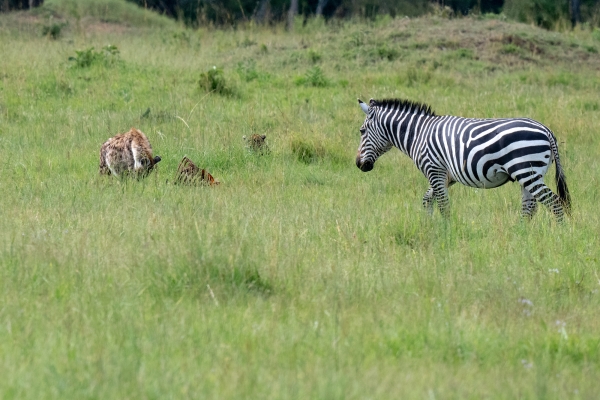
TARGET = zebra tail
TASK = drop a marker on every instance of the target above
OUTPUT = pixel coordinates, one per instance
(561, 181)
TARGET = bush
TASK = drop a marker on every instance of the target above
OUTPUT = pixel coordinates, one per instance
(109, 55)
(314, 56)
(53, 30)
(213, 81)
(386, 53)
(313, 77)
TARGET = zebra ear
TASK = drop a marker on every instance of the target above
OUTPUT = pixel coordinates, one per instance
(364, 107)
(372, 103)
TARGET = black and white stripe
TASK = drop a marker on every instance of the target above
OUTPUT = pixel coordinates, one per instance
(481, 153)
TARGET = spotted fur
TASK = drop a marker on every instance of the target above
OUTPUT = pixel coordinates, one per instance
(257, 144)
(127, 153)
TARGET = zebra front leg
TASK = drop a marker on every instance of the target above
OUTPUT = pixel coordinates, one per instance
(439, 185)
(428, 201)
(528, 204)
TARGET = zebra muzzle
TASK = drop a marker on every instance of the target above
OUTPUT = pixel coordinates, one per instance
(364, 166)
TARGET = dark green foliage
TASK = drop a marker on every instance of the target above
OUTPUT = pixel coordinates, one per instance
(314, 56)
(544, 13)
(10, 5)
(53, 30)
(213, 81)
(509, 49)
(107, 56)
(314, 77)
(386, 53)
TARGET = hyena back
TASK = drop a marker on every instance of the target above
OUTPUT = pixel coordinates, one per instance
(128, 152)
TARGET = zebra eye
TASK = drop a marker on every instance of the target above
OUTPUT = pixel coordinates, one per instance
(362, 131)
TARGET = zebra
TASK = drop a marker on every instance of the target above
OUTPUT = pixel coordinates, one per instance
(480, 153)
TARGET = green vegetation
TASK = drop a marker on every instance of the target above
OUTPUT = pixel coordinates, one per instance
(298, 276)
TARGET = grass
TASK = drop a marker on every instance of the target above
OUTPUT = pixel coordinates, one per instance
(299, 276)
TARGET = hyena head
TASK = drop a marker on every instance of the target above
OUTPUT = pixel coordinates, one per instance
(141, 150)
(257, 143)
(128, 152)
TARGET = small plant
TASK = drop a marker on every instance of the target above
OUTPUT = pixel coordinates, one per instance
(313, 77)
(356, 39)
(247, 42)
(465, 53)
(314, 56)
(108, 55)
(509, 49)
(53, 30)
(84, 58)
(182, 36)
(213, 81)
(385, 52)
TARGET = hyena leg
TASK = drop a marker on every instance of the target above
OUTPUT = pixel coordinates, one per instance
(528, 203)
(544, 195)
(428, 201)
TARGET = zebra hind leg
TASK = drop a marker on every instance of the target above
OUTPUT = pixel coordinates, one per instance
(428, 201)
(544, 195)
(528, 203)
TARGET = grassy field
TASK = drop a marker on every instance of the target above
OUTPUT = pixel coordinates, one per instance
(299, 276)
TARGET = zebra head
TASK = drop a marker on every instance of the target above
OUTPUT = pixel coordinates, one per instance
(373, 141)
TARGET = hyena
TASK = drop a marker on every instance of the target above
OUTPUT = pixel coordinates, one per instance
(127, 153)
(257, 144)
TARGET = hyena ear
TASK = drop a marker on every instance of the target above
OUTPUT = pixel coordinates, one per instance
(157, 159)
(364, 107)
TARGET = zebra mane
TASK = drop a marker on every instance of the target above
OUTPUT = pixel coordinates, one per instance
(406, 105)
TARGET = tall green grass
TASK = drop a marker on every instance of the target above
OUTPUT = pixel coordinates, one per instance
(299, 276)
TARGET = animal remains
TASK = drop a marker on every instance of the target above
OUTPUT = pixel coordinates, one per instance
(481, 153)
(127, 153)
(189, 174)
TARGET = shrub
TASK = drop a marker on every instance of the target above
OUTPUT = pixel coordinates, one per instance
(109, 55)
(387, 53)
(313, 77)
(314, 56)
(53, 30)
(213, 81)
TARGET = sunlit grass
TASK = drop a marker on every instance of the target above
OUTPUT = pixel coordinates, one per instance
(298, 276)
